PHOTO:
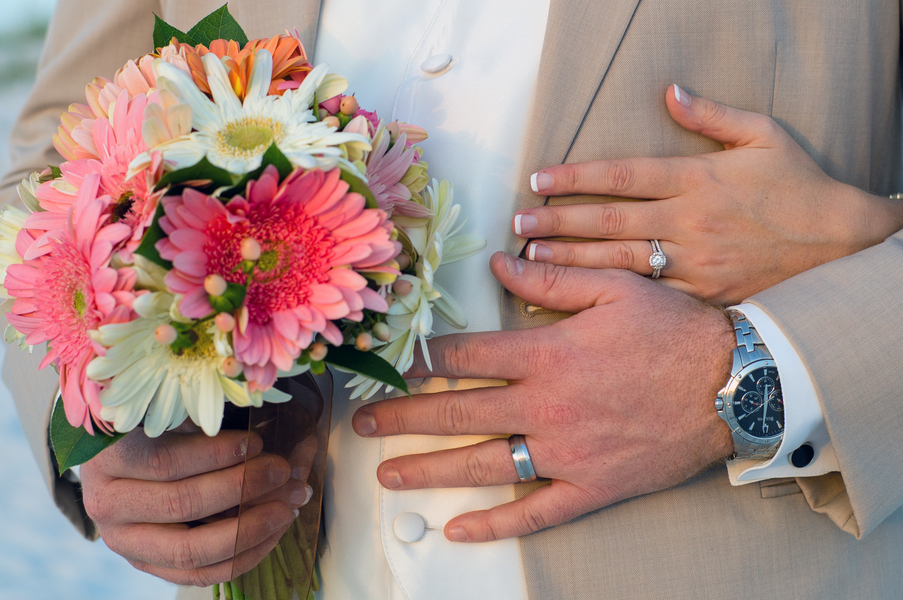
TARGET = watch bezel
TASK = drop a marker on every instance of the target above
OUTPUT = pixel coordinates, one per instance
(728, 394)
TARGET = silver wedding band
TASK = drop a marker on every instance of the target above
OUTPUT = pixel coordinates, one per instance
(658, 260)
(521, 456)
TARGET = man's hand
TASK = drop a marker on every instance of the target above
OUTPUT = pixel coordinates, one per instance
(731, 223)
(146, 494)
(615, 401)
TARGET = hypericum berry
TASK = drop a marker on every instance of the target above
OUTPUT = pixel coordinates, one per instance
(165, 334)
(349, 105)
(225, 322)
(364, 342)
(394, 130)
(250, 249)
(318, 351)
(390, 300)
(382, 332)
(231, 367)
(404, 261)
(215, 285)
(332, 121)
(402, 287)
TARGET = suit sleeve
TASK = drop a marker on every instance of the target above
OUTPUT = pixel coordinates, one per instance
(845, 320)
(86, 39)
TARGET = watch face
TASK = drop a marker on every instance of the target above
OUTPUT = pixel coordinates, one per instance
(759, 406)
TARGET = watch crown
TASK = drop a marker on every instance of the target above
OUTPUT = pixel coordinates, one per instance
(719, 404)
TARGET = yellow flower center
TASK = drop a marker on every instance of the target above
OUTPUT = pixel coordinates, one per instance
(203, 347)
(79, 303)
(250, 135)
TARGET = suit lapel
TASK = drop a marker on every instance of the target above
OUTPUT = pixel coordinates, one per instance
(581, 39)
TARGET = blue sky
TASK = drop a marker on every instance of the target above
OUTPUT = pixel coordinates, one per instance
(41, 555)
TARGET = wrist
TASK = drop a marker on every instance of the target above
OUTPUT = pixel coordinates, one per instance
(721, 359)
(865, 219)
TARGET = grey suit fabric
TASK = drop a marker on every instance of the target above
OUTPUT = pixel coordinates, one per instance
(828, 71)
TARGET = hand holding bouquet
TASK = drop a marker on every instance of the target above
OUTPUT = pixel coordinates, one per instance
(225, 216)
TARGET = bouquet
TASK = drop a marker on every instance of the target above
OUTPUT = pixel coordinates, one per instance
(225, 217)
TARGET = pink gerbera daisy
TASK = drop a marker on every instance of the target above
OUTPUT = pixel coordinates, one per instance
(312, 234)
(69, 291)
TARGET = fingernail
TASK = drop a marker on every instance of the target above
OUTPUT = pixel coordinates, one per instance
(364, 423)
(540, 181)
(524, 224)
(301, 497)
(681, 96)
(539, 253)
(514, 265)
(242, 449)
(457, 534)
(277, 473)
(415, 383)
(391, 478)
(299, 473)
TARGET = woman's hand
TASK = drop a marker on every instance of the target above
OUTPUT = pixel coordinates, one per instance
(730, 223)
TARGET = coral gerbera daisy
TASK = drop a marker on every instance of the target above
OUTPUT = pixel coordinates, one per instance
(234, 134)
(65, 293)
(312, 234)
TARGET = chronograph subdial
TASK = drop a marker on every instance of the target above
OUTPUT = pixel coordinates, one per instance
(751, 402)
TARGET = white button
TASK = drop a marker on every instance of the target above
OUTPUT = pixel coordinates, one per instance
(409, 527)
(436, 63)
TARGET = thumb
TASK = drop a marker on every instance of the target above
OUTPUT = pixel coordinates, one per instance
(730, 126)
(565, 289)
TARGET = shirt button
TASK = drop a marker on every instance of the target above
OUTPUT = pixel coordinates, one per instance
(409, 527)
(436, 63)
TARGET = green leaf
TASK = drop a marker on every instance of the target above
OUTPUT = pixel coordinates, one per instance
(73, 445)
(273, 156)
(218, 25)
(201, 171)
(164, 32)
(367, 364)
(153, 234)
(56, 172)
(231, 299)
(356, 184)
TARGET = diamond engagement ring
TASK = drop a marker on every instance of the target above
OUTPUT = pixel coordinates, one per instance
(521, 456)
(658, 260)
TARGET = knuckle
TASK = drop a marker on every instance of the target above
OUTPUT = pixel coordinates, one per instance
(713, 112)
(552, 277)
(705, 224)
(622, 256)
(568, 177)
(180, 501)
(571, 254)
(163, 461)
(620, 177)
(555, 221)
(456, 356)
(198, 578)
(477, 471)
(610, 219)
(558, 413)
(529, 519)
(186, 556)
(452, 418)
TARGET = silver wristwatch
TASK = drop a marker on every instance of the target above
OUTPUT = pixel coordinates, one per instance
(751, 403)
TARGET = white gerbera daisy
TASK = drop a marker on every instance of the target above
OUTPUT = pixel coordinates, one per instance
(234, 135)
(149, 378)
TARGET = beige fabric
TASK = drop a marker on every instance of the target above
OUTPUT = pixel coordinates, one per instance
(825, 69)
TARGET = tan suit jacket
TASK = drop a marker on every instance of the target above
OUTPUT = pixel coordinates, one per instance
(826, 70)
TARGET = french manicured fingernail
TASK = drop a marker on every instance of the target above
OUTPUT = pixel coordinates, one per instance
(681, 96)
(415, 383)
(539, 253)
(514, 265)
(540, 181)
(250, 447)
(276, 522)
(391, 478)
(301, 496)
(524, 224)
(277, 473)
(364, 423)
(299, 473)
(457, 534)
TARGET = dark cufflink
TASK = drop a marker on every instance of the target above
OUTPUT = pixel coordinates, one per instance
(802, 456)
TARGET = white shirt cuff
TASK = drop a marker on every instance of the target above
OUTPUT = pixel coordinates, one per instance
(804, 421)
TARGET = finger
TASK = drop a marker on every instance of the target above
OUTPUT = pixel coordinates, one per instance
(626, 178)
(174, 456)
(610, 220)
(630, 255)
(184, 548)
(730, 126)
(219, 572)
(489, 411)
(474, 356)
(129, 501)
(486, 463)
(549, 505)
(567, 289)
